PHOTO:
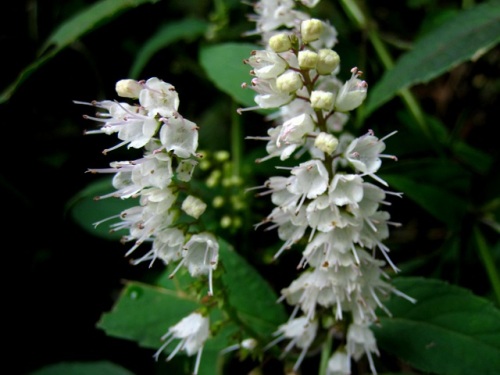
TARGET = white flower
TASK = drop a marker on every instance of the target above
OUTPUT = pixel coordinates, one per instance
(200, 256)
(310, 3)
(301, 331)
(180, 136)
(346, 189)
(324, 216)
(309, 289)
(134, 125)
(339, 364)
(271, 14)
(193, 206)
(295, 129)
(364, 153)
(333, 248)
(167, 246)
(154, 170)
(311, 179)
(360, 340)
(266, 64)
(193, 331)
(159, 98)
(352, 94)
(327, 39)
(247, 344)
(268, 94)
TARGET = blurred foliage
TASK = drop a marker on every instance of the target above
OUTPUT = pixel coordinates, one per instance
(433, 71)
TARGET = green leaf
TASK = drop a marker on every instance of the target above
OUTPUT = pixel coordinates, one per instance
(449, 331)
(188, 29)
(71, 30)
(143, 313)
(479, 160)
(86, 211)
(250, 294)
(464, 37)
(83, 368)
(439, 202)
(224, 65)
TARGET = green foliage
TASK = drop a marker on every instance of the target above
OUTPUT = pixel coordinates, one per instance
(70, 31)
(448, 245)
(188, 29)
(86, 211)
(446, 322)
(142, 310)
(83, 368)
(468, 35)
(224, 66)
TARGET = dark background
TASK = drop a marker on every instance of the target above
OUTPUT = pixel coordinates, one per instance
(59, 278)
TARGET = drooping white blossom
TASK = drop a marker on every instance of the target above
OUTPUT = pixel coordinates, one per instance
(192, 331)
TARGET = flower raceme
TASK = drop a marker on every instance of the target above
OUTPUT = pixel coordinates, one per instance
(325, 205)
(159, 180)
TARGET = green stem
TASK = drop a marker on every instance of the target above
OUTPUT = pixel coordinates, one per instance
(236, 141)
(489, 263)
(325, 354)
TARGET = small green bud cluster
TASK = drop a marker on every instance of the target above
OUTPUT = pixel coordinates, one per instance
(225, 188)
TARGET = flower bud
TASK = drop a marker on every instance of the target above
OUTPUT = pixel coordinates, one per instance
(184, 170)
(308, 59)
(311, 30)
(289, 82)
(193, 206)
(322, 100)
(326, 142)
(280, 43)
(328, 61)
(128, 88)
(352, 94)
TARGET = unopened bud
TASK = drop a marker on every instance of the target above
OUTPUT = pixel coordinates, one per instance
(310, 30)
(289, 82)
(280, 43)
(128, 88)
(322, 100)
(184, 170)
(326, 142)
(193, 206)
(328, 61)
(307, 59)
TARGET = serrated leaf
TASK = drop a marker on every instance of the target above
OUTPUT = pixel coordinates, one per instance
(69, 31)
(461, 38)
(449, 331)
(86, 211)
(83, 368)
(188, 28)
(224, 65)
(442, 204)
